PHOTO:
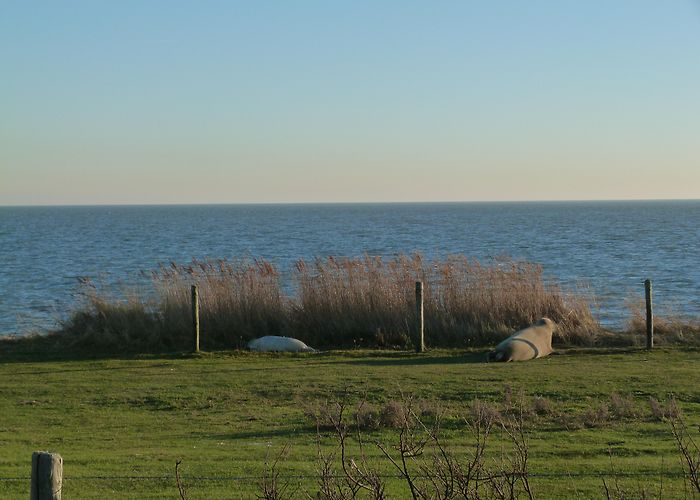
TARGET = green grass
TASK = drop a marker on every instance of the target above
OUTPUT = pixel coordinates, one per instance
(224, 413)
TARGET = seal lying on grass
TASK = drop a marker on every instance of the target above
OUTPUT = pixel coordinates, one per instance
(532, 342)
(273, 343)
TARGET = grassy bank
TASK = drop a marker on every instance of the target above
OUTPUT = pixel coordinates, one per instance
(121, 424)
(333, 303)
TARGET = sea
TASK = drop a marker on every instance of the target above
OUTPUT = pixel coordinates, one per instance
(604, 248)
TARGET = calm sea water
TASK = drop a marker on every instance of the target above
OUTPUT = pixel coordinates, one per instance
(611, 246)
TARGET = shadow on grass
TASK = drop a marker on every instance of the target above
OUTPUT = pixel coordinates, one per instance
(606, 350)
(43, 349)
(39, 349)
(406, 359)
(261, 435)
(49, 353)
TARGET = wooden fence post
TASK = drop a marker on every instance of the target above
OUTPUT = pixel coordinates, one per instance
(650, 314)
(195, 317)
(420, 339)
(47, 476)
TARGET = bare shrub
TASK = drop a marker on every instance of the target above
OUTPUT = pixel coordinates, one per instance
(430, 470)
(182, 491)
(356, 475)
(657, 411)
(393, 414)
(615, 490)
(569, 421)
(483, 413)
(421, 458)
(688, 449)
(515, 475)
(272, 485)
(673, 411)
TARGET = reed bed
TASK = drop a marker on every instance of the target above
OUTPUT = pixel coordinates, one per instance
(332, 303)
(669, 327)
(371, 301)
(239, 300)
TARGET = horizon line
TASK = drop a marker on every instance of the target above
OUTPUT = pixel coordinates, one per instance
(298, 203)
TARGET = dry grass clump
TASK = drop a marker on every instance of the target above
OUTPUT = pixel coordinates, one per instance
(321, 413)
(597, 415)
(109, 323)
(395, 414)
(669, 327)
(661, 411)
(337, 303)
(367, 416)
(427, 409)
(622, 406)
(619, 408)
(542, 406)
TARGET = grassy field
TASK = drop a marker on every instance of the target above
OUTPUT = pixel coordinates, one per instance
(121, 424)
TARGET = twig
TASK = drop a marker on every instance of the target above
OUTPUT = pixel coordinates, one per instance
(180, 486)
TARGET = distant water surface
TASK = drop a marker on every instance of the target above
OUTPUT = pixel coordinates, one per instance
(612, 246)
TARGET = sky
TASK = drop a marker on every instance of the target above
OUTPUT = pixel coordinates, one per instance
(140, 102)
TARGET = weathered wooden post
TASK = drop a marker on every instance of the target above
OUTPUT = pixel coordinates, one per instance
(195, 317)
(650, 314)
(420, 339)
(47, 476)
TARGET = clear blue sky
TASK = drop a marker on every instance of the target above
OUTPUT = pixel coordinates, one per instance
(236, 102)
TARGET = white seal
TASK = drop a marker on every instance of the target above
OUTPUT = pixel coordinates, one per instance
(532, 342)
(273, 343)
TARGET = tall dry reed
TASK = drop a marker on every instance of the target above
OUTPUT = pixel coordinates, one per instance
(336, 302)
(115, 322)
(370, 300)
(239, 300)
